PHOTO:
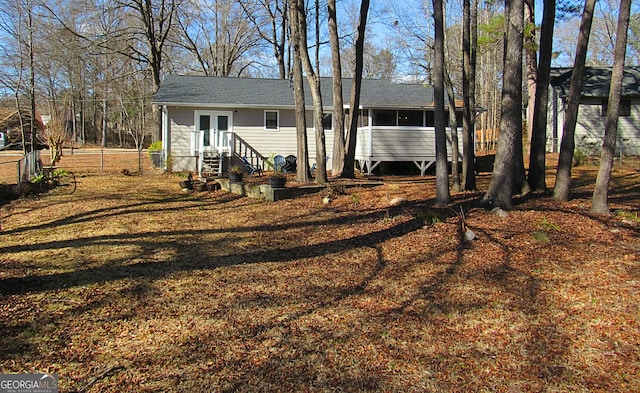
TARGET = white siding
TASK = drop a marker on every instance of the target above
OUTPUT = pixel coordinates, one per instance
(249, 125)
(401, 144)
(590, 127)
(181, 125)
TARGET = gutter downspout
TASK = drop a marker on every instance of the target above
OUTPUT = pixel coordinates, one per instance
(165, 138)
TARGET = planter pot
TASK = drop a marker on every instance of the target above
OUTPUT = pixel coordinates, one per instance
(156, 159)
(187, 184)
(277, 182)
(199, 186)
(235, 177)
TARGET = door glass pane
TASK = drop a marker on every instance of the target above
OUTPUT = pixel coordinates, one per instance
(223, 128)
(205, 126)
(223, 123)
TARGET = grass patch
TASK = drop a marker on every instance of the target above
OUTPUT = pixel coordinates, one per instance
(628, 215)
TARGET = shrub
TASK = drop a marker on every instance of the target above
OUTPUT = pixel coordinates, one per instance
(155, 147)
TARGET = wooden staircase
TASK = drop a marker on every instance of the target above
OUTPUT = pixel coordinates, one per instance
(211, 165)
(242, 150)
(211, 162)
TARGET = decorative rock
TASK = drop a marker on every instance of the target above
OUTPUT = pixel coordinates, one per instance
(499, 212)
(326, 200)
(469, 235)
(397, 201)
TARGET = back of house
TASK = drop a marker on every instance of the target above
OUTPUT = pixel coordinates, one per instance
(207, 121)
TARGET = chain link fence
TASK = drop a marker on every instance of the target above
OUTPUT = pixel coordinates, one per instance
(83, 162)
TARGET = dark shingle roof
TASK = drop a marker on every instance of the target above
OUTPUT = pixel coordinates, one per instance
(235, 92)
(596, 81)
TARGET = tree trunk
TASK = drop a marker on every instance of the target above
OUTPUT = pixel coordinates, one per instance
(442, 172)
(314, 83)
(510, 126)
(280, 51)
(531, 63)
(537, 159)
(350, 150)
(32, 86)
(563, 174)
(453, 125)
(469, 45)
(337, 160)
(599, 203)
(298, 89)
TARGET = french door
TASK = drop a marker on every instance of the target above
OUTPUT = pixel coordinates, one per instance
(214, 131)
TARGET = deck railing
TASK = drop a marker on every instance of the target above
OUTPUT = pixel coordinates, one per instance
(242, 149)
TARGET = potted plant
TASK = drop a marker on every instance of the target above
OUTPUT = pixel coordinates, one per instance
(235, 174)
(155, 152)
(277, 179)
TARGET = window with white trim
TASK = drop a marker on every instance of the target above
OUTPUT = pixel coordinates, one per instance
(327, 121)
(625, 108)
(272, 120)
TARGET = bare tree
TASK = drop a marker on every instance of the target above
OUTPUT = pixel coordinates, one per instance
(298, 89)
(270, 18)
(469, 48)
(537, 156)
(599, 203)
(316, 93)
(337, 160)
(500, 189)
(563, 174)
(352, 131)
(531, 64)
(14, 45)
(148, 38)
(218, 35)
(442, 172)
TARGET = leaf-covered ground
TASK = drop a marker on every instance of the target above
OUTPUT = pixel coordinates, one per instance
(130, 284)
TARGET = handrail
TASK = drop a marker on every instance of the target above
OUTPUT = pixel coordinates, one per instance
(244, 150)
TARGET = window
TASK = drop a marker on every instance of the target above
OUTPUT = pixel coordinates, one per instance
(205, 127)
(327, 121)
(431, 121)
(458, 118)
(625, 108)
(363, 120)
(384, 117)
(363, 117)
(410, 118)
(271, 120)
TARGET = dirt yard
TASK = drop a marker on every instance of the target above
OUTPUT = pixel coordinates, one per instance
(131, 284)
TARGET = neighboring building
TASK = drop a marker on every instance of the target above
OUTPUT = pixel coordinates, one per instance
(593, 109)
(207, 119)
(10, 126)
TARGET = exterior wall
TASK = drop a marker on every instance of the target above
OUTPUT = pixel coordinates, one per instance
(249, 125)
(629, 130)
(591, 124)
(181, 125)
(400, 144)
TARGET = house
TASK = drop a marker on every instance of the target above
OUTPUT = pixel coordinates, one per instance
(593, 110)
(12, 127)
(207, 120)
